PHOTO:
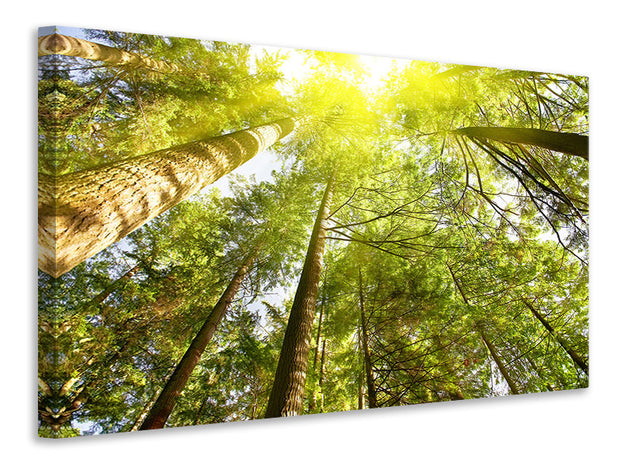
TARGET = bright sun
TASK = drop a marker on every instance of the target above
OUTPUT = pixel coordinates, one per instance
(297, 67)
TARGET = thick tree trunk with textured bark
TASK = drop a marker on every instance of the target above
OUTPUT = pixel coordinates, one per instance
(58, 44)
(370, 381)
(162, 408)
(565, 142)
(287, 394)
(82, 213)
(577, 359)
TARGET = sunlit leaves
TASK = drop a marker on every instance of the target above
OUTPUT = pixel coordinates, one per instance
(454, 244)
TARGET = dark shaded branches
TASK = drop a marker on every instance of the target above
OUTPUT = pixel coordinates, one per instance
(573, 144)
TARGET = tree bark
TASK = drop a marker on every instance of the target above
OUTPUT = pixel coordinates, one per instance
(370, 382)
(360, 392)
(577, 359)
(286, 398)
(315, 362)
(573, 144)
(58, 44)
(99, 298)
(498, 361)
(145, 411)
(162, 408)
(502, 368)
(82, 213)
(322, 376)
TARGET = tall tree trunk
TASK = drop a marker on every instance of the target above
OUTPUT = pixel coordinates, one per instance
(99, 298)
(573, 144)
(319, 334)
(286, 398)
(487, 342)
(498, 361)
(577, 359)
(360, 391)
(315, 362)
(145, 411)
(58, 44)
(162, 408)
(82, 213)
(322, 376)
(370, 382)
(539, 372)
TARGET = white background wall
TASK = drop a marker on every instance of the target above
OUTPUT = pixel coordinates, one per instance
(562, 36)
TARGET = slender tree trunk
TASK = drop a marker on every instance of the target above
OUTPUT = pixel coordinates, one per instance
(577, 359)
(147, 408)
(322, 376)
(498, 361)
(487, 342)
(574, 144)
(82, 213)
(360, 391)
(162, 408)
(286, 398)
(99, 298)
(254, 408)
(200, 411)
(370, 382)
(539, 372)
(203, 405)
(315, 362)
(58, 44)
(319, 334)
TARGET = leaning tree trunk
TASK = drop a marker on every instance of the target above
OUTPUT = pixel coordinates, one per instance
(287, 394)
(82, 213)
(573, 144)
(494, 354)
(317, 349)
(498, 361)
(370, 382)
(58, 44)
(577, 359)
(322, 376)
(143, 413)
(99, 298)
(164, 404)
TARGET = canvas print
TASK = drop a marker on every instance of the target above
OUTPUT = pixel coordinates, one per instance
(230, 232)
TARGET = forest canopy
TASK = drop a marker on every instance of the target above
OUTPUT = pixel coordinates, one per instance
(231, 232)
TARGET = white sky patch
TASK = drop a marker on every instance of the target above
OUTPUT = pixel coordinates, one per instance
(293, 68)
(260, 167)
(297, 67)
(379, 69)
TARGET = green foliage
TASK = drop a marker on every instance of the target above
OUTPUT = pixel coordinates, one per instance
(92, 114)
(449, 245)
